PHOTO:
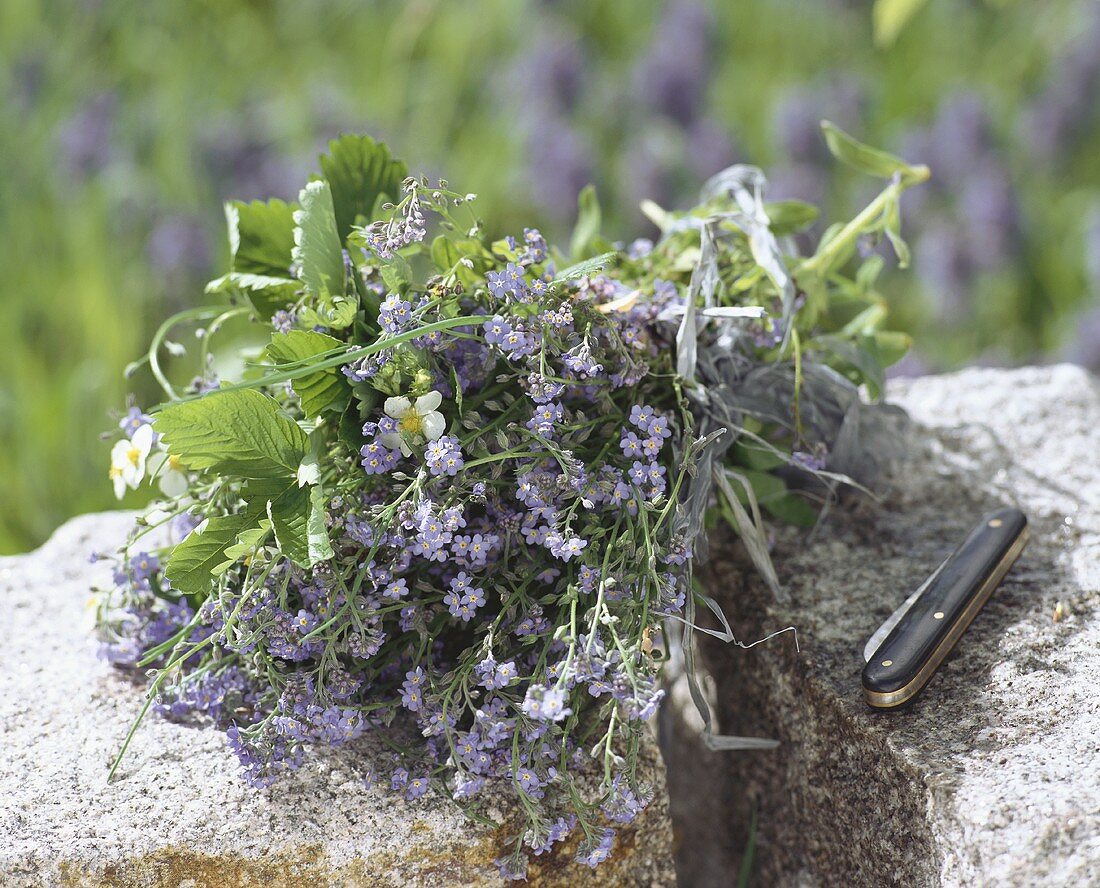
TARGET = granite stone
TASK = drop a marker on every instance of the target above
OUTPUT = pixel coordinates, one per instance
(178, 813)
(992, 777)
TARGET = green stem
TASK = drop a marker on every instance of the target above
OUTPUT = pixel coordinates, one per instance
(335, 361)
(191, 314)
(149, 698)
(822, 260)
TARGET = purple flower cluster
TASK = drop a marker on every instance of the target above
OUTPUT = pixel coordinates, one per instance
(444, 456)
(513, 498)
(407, 225)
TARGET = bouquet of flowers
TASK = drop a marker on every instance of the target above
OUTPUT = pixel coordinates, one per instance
(456, 499)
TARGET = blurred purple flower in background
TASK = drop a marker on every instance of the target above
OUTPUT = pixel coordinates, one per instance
(555, 73)
(86, 141)
(672, 78)
(560, 164)
(967, 223)
(709, 148)
(943, 264)
(1066, 109)
(245, 162)
(651, 162)
(959, 138)
(665, 144)
(179, 245)
(796, 129)
(1084, 345)
(797, 120)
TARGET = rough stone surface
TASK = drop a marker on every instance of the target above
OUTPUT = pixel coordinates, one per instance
(993, 776)
(177, 813)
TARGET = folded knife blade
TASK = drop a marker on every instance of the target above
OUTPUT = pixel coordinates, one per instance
(908, 648)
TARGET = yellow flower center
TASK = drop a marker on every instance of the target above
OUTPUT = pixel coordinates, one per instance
(134, 455)
(114, 472)
(411, 423)
(174, 463)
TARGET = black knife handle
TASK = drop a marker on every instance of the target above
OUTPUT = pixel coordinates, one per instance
(913, 651)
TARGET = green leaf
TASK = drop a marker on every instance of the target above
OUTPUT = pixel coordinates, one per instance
(266, 293)
(773, 496)
(790, 216)
(892, 345)
(360, 172)
(240, 434)
(317, 246)
(396, 273)
(791, 509)
(504, 249)
(320, 547)
(869, 272)
(350, 428)
(336, 315)
(248, 281)
(891, 224)
(248, 542)
(326, 389)
(585, 268)
(890, 18)
(658, 215)
(309, 472)
(298, 518)
(751, 455)
(261, 237)
(289, 514)
(859, 354)
(445, 255)
(587, 229)
(192, 562)
(261, 242)
(867, 159)
(866, 321)
(765, 486)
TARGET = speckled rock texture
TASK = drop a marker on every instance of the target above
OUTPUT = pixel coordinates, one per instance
(992, 778)
(177, 814)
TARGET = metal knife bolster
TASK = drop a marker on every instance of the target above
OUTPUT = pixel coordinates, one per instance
(927, 633)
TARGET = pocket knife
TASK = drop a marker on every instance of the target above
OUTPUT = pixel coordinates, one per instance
(906, 650)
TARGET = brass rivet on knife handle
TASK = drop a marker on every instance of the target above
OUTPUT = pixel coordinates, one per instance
(891, 697)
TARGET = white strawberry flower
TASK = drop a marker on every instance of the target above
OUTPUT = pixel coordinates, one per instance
(417, 421)
(128, 459)
(171, 477)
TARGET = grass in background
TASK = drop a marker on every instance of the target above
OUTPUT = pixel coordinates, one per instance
(124, 125)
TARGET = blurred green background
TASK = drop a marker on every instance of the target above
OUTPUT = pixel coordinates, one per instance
(124, 125)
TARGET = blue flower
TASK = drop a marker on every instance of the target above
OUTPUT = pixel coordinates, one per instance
(411, 696)
(467, 787)
(394, 314)
(416, 787)
(595, 853)
(545, 704)
(475, 598)
(134, 420)
(444, 456)
(496, 329)
(399, 588)
(587, 578)
(528, 780)
(498, 283)
(513, 868)
(377, 458)
(640, 416)
(630, 444)
(658, 427)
